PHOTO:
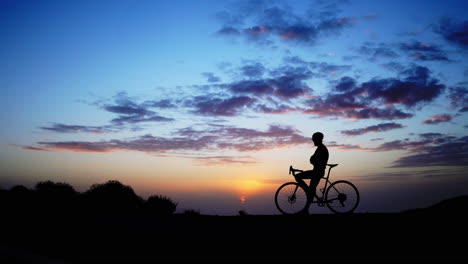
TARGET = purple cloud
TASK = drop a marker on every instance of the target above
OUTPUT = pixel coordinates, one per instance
(374, 51)
(62, 128)
(253, 70)
(228, 31)
(425, 52)
(140, 118)
(364, 101)
(286, 84)
(211, 77)
(132, 112)
(215, 106)
(448, 152)
(165, 103)
(255, 87)
(455, 32)
(267, 22)
(375, 128)
(214, 139)
(417, 87)
(437, 119)
(459, 97)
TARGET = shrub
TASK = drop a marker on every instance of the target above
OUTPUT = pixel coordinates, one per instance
(56, 197)
(191, 212)
(160, 205)
(112, 197)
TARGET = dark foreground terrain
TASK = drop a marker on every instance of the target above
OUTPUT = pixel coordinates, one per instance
(436, 234)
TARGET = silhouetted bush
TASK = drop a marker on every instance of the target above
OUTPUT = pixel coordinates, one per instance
(112, 197)
(190, 212)
(160, 205)
(20, 200)
(56, 197)
(242, 213)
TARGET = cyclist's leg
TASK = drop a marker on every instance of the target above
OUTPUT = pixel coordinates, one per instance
(314, 181)
(300, 179)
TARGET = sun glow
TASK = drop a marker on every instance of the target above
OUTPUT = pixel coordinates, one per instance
(248, 186)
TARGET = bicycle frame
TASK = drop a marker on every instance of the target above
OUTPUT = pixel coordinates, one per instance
(322, 191)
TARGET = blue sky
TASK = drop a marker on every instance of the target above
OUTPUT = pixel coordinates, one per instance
(147, 91)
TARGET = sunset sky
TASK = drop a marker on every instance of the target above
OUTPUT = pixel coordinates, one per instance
(209, 102)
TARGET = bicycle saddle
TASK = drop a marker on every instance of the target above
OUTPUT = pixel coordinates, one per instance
(332, 165)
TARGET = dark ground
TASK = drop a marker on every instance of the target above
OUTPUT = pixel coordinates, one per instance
(435, 234)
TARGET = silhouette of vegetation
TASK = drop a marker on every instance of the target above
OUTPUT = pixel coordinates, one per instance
(59, 198)
(112, 197)
(191, 212)
(242, 213)
(160, 205)
(56, 197)
(19, 200)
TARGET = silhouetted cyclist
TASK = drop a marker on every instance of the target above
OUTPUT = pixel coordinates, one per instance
(319, 160)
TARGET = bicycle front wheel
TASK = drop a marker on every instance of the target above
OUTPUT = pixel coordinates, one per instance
(342, 197)
(290, 198)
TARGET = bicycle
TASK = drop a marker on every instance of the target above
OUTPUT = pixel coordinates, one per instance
(341, 197)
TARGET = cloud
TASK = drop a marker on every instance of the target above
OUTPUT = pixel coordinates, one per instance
(222, 160)
(414, 88)
(378, 98)
(311, 68)
(455, 32)
(140, 118)
(345, 146)
(254, 87)
(165, 103)
(445, 152)
(264, 23)
(132, 112)
(62, 128)
(417, 87)
(276, 109)
(376, 128)
(228, 31)
(437, 119)
(285, 83)
(216, 138)
(345, 84)
(424, 52)
(253, 70)
(393, 66)
(216, 106)
(374, 51)
(129, 112)
(213, 160)
(211, 77)
(32, 148)
(387, 113)
(459, 97)
(401, 145)
(80, 146)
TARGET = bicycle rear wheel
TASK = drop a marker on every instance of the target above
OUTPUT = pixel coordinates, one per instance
(290, 198)
(342, 197)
